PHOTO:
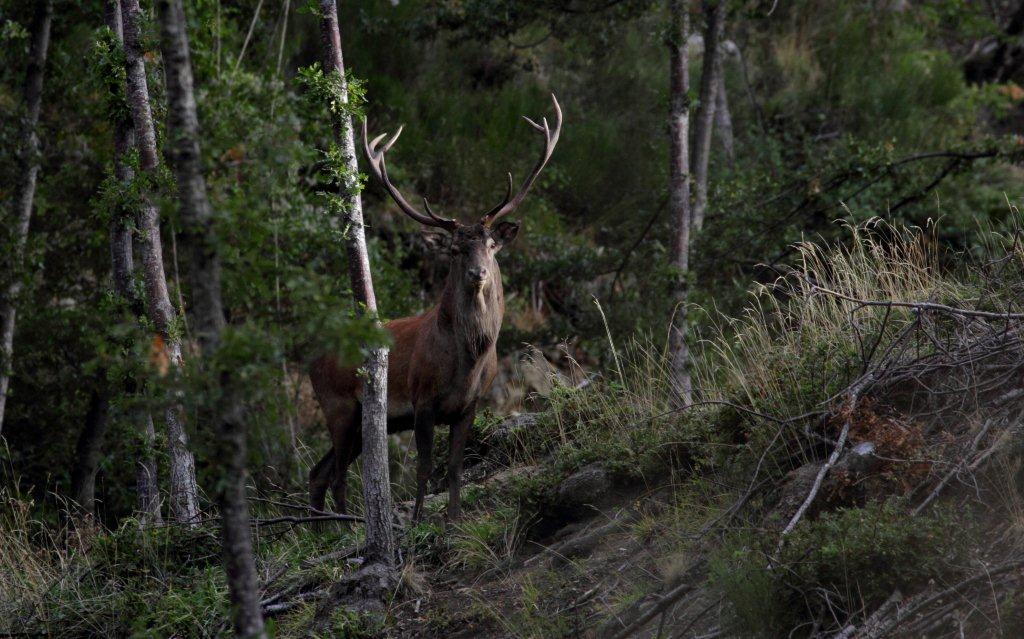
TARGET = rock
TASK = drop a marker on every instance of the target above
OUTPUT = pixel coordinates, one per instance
(842, 485)
(859, 459)
(504, 435)
(794, 492)
(493, 451)
(583, 543)
(587, 486)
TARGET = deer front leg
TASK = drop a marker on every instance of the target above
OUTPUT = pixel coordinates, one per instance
(457, 446)
(424, 429)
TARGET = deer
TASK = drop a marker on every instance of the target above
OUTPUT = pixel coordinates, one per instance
(442, 361)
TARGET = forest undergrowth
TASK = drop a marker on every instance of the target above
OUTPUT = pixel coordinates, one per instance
(850, 466)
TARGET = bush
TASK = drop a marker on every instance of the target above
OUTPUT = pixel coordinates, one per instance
(845, 561)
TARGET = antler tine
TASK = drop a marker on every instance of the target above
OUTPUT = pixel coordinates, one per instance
(373, 143)
(375, 155)
(534, 124)
(440, 220)
(550, 140)
(391, 142)
(508, 196)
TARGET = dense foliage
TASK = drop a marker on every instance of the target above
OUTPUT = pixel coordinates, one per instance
(840, 112)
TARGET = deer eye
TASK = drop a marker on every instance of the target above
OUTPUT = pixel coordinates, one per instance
(491, 243)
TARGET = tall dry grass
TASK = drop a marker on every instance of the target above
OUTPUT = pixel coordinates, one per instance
(35, 560)
(798, 343)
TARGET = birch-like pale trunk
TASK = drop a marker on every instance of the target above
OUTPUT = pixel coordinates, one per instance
(184, 493)
(723, 116)
(25, 191)
(146, 484)
(711, 69)
(122, 267)
(679, 198)
(380, 542)
(200, 239)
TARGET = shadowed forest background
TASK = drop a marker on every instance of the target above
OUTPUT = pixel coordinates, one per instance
(869, 154)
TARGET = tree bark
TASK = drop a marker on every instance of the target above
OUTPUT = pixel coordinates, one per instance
(122, 267)
(147, 489)
(679, 197)
(709, 80)
(184, 493)
(25, 191)
(199, 235)
(88, 450)
(723, 117)
(380, 543)
(998, 57)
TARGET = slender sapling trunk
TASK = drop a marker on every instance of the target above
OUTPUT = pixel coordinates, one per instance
(25, 190)
(710, 72)
(122, 266)
(200, 238)
(679, 197)
(380, 543)
(184, 493)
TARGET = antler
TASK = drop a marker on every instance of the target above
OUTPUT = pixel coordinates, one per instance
(375, 154)
(550, 140)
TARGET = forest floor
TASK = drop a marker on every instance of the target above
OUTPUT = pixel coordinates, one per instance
(851, 468)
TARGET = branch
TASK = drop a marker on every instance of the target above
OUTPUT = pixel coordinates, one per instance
(290, 519)
(905, 613)
(953, 473)
(851, 405)
(640, 238)
(920, 306)
(667, 600)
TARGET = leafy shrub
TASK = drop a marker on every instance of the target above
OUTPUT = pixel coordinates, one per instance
(844, 561)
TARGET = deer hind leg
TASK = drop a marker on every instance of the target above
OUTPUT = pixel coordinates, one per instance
(348, 443)
(319, 478)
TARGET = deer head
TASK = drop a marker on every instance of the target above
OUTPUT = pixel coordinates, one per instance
(473, 246)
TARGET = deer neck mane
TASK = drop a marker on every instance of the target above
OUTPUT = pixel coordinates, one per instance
(472, 319)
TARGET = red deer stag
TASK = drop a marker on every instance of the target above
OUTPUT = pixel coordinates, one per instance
(443, 360)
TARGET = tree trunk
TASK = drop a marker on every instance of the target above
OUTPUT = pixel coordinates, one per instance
(122, 268)
(148, 492)
(25, 191)
(710, 71)
(723, 117)
(200, 238)
(184, 493)
(996, 58)
(87, 453)
(380, 543)
(679, 197)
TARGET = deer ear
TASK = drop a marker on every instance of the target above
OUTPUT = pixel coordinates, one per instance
(439, 242)
(505, 232)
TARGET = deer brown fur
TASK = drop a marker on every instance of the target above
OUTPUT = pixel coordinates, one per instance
(442, 361)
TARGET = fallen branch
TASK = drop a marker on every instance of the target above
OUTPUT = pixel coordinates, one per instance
(851, 405)
(688, 585)
(294, 520)
(344, 553)
(317, 516)
(953, 473)
(274, 606)
(903, 614)
(876, 617)
(920, 306)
